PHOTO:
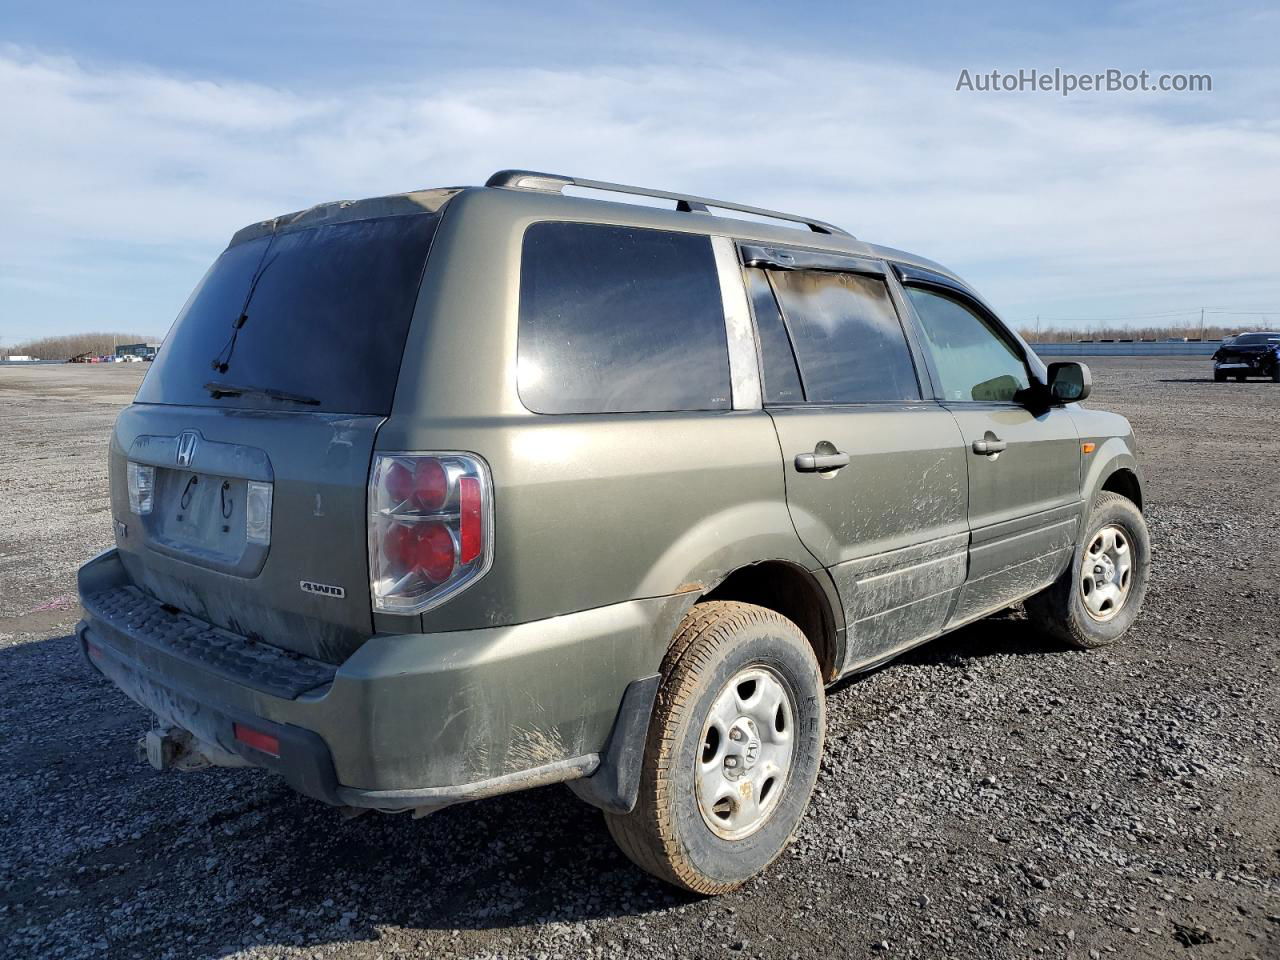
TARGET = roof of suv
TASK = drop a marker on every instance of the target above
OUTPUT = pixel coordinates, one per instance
(527, 189)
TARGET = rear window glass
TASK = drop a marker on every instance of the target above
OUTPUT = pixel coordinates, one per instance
(620, 320)
(847, 337)
(326, 308)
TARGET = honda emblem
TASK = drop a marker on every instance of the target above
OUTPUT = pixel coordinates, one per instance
(186, 447)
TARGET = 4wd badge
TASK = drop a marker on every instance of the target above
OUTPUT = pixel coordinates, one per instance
(322, 589)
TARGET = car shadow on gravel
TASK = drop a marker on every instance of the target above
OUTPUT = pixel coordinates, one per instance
(1253, 381)
(1001, 635)
(1005, 634)
(220, 860)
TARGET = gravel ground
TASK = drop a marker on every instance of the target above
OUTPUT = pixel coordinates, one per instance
(989, 795)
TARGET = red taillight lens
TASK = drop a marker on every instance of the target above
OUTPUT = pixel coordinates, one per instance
(423, 485)
(430, 484)
(429, 528)
(256, 739)
(425, 548)
(398, 482)
(434, 556)
(470, 519)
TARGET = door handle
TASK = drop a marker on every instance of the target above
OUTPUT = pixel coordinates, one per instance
(821, 462)
(990, 446)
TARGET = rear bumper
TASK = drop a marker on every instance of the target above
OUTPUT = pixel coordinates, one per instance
(417, 720)
(1262, 362)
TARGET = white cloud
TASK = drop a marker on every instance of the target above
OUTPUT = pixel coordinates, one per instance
(1106, 205)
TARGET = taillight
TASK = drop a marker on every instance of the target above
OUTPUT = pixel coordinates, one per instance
(142, 486)
(430, 528)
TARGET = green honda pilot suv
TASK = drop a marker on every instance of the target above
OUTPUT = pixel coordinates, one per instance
(458, 492)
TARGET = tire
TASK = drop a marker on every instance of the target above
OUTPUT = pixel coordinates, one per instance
(1219, 377)
(669, 833)
(1061, 610)
(1275, 373)
(1241, 377)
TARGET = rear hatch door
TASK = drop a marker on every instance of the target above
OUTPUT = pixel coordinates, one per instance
(251, 436)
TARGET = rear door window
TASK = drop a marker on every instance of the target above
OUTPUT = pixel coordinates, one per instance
(848, 340)
(620, 320)
(974, 362)
(327, 311)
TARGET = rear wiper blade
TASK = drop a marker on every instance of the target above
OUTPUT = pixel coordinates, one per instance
(217, 389)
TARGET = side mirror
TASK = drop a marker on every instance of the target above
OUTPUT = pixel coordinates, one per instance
(1069, 382)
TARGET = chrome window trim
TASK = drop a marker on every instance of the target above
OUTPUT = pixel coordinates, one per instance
(744, 363)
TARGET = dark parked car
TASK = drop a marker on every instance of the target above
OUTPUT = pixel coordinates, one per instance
(1248, 355)
(447, 494)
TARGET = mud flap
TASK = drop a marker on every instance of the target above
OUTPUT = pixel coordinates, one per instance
(615, 784)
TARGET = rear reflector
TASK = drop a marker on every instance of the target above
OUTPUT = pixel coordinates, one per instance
(257, 739)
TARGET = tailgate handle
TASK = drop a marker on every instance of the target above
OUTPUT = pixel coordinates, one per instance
(821, 462)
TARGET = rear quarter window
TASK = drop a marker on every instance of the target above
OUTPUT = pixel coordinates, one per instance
(620, 320)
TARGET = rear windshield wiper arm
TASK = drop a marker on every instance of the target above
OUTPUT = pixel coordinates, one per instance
(217, 389)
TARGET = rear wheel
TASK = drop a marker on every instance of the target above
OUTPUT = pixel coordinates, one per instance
(1219, 377)
(733, 750)
(1099, 596)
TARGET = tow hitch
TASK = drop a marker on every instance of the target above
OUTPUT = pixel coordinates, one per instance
(172, 748)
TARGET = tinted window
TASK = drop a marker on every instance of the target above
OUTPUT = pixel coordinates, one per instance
(973, 361)
(620, 320)
(326, 318)
(847, 337)
(781, 379)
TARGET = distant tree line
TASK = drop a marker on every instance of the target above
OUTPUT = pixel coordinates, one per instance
(1102, 332)
(73, 344)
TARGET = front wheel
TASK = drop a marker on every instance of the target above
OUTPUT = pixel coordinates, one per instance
(1219, 377)
(733, 750)
(1097, 599)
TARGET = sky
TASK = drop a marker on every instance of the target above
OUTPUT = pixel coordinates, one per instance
(139, 136)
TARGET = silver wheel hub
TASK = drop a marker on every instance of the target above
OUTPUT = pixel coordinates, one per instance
(1106, 572)
(743, 752)
(746, 753)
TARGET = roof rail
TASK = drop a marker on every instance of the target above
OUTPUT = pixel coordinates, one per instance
(555, 183)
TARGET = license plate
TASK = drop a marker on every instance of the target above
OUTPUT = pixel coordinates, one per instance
(202, 510)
